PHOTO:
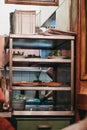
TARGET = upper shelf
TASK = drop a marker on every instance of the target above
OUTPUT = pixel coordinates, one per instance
(40, 41)
(71, 37)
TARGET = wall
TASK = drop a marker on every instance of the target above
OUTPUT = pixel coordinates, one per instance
(62, 15)
(73, 21)
(5, 10)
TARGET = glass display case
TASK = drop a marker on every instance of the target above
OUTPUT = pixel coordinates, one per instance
(43, 84)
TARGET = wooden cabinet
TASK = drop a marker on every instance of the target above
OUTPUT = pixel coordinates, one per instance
(61, 82)
(83, 40)
(81, 50)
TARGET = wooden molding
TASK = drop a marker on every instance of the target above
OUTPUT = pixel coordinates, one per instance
(34, 2)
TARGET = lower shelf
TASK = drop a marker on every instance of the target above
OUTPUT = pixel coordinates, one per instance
(43, 113)
(6, 114)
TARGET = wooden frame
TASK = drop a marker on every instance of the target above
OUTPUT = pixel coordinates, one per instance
(83, 42)
(34, 2)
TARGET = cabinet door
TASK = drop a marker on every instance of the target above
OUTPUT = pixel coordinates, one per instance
(82, 95)
(84, 40)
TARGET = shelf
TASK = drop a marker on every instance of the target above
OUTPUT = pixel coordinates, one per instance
(40, 41)
(42, 36)
(40, 60)
(43, 113)
(41, 88)
(5, 114)
(30, 69)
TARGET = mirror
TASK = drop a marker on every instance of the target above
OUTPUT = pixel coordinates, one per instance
(34, 2)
